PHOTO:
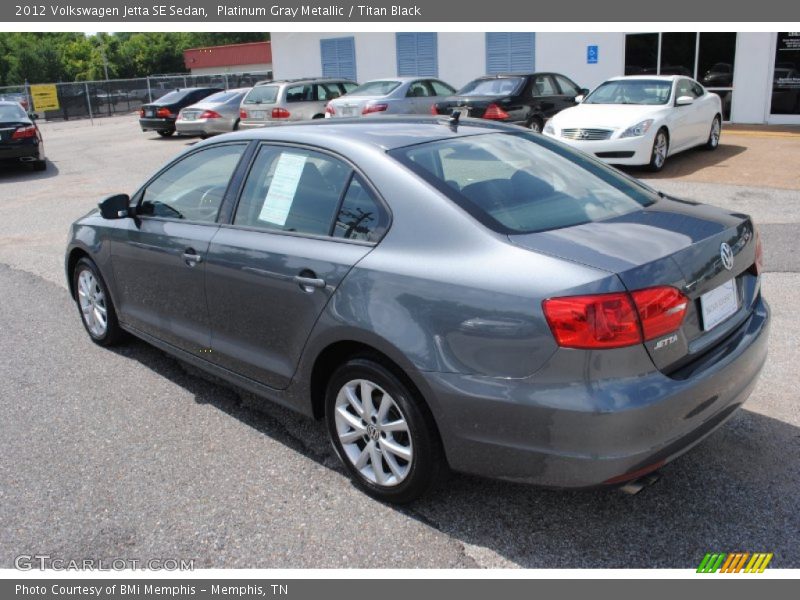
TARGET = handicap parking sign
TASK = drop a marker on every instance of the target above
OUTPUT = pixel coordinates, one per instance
(591, 55)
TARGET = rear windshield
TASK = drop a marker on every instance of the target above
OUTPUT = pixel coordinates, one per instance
(503, 86)
(375, 88)
(222, 97)
(11, 112)
(517, 183)
(262, 94)
(174, 96)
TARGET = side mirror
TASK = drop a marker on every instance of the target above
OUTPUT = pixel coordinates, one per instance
(115, 207)
(584, 91)
(684, 101)
(579, 98)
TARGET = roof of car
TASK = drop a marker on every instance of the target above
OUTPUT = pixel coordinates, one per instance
(300, 80)
(651, 77)
(387, 132)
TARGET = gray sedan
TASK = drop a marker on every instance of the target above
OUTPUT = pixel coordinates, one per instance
(218, 113)
(394, 96)
(444, 294)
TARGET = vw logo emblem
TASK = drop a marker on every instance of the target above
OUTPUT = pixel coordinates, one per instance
(726, 255)
(373, 432)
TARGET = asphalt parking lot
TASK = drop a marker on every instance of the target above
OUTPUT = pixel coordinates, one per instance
(127, 454)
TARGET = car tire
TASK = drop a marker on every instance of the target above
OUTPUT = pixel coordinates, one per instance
(92, 298)
(714, 134)
(166, 132)
(39, 165)
(236, 125)
(408, 456)
(658, 155)
(536, 124)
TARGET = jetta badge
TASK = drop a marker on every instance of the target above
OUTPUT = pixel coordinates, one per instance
(726, 255)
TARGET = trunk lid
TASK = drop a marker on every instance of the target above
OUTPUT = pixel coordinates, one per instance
(671, 243)
(7, 129)
(474, 105)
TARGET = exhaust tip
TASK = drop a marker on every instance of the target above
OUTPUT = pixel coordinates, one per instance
(633, 487)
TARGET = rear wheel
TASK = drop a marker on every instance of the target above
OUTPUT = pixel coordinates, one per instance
(714, 134)
(660, 150)
(166, 132)
(382, 432)
(536, 124)
(236, 125)
(94, 304)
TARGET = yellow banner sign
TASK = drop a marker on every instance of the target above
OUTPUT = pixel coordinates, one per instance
(45, 97)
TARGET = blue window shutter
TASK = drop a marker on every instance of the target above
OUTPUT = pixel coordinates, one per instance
(417, 55)
(338, 57)
(510, 52)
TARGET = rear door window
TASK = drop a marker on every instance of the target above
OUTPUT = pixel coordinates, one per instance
(294, 190)
(543, 85)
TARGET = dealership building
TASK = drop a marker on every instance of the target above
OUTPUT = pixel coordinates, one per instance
(757, 74)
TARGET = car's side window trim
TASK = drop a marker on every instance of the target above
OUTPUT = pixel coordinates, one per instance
(138, 197)
(256, 148)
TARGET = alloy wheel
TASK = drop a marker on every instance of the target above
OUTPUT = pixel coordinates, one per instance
(660, 150)
(92, 301)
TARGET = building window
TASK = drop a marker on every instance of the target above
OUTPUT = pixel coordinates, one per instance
(707, 57)
(786, 78)
(417, 55)
(338, 57)
(510, 52)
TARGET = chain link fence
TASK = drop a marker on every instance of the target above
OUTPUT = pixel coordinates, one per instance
(93, 99)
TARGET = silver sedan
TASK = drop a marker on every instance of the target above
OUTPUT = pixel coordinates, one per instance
(392, 96)
(218, 113)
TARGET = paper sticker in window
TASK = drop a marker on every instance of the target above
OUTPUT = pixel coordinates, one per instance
(282, 189)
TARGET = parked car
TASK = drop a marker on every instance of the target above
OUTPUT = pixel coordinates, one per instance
(394, 96)
(20, 138)
(283, 101)
(441, 293)
(19, 97)
(161, 114)
(218, 113)
(641, 120)
(719, 75)
(527, 100)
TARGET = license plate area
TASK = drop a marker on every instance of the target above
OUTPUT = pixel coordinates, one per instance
(464, 110)
(258, 114)
(149, 112)
(350, 111)
(719, 304)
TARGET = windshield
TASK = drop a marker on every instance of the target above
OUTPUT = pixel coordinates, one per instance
(503, 86)
(522, 183)
(11, 112)
(631, 91)
(375, 88)
(262, 94)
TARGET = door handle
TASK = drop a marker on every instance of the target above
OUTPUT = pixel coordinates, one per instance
(191, 258)
(309, 284)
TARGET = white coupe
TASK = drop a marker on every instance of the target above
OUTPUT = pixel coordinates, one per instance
(641, 120)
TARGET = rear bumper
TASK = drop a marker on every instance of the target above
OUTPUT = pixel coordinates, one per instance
(19, 152)
(261, 124)
(156, 124)
(549, 432)
(204, 126)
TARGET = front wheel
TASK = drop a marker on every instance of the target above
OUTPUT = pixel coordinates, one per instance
(381, 432)
(536, 124)
(660, 149)
(94, 304)
(714, 134)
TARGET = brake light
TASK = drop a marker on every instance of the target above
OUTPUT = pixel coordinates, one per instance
(24, 133)
(242, 113)
(493, 111)
(759, 254)
(615, 320)
(210, 114)
(661, 310)
(280, 113)
(164, 113)
(434, 110)
(329, 110)
(374, 107)
(599, 321)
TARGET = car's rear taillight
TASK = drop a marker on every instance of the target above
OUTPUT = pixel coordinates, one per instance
(242, 113)
(615, 320)
(164, 113)
(434, 110)
(598, 321)
(280, 113)
(329, 110)
(759, 264)
(661, 310)
(374, 107)
(210, 114)
(24, 133)
(493, 111)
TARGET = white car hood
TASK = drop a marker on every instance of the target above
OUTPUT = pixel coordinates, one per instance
(606, 116)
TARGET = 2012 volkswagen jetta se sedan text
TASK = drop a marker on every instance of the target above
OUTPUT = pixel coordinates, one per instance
(444, 294)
